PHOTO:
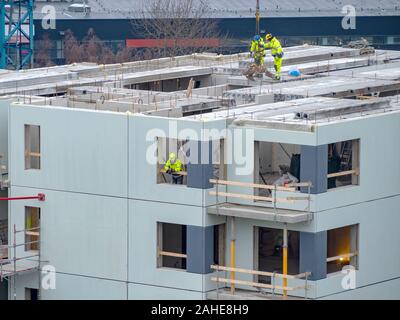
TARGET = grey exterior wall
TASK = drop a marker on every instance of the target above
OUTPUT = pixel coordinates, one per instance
(314, 168)
(313, 248)
(200, 246)
(200, 167)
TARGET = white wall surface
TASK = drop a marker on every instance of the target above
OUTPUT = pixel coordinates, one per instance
(81, 151)
(379, 159)
(145, 292)
(143, 218)
(80, 234)
(4, 103)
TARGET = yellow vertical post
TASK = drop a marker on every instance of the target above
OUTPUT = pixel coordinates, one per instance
(285, 260)
(233, 240)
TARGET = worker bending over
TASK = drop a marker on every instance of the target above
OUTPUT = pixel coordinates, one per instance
(257, 50)
(174, 167)
(273, 43)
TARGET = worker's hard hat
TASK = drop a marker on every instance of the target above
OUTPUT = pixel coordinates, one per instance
(257, 38)
(172, 156)
(268, 37)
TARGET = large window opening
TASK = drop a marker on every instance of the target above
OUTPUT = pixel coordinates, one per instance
(171, 246)
(32, 147)
(275, 163)
(269, 252)
(172, 157)
(343, 163)
(32, 231)
(342, 248)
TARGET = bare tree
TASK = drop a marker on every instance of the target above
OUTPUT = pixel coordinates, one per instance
(43, 54)
(96, 50)
(93, 49)
(125, 54)
(178, 26)
(73, 51)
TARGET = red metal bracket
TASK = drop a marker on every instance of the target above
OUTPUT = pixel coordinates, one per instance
(40, 197)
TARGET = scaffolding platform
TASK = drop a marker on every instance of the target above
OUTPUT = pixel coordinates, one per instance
(260, 213)
(9, 268)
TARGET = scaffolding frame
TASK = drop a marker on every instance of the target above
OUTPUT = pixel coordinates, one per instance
(11, 268)
(291, 187)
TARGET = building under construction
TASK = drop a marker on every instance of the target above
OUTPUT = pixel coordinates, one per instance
(288, 189)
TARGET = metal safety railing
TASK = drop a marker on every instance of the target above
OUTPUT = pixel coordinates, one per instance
(232, 281)
(274, 189)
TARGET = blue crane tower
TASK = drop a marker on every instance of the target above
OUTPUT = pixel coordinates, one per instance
(16, 34)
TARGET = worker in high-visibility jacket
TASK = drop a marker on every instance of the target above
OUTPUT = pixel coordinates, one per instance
(273, 43)
(257, 50)
(174, 167)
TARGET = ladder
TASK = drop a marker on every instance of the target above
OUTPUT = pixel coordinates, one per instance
(346, 154)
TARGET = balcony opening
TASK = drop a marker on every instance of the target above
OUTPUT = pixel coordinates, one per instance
(32, 147)
(172, 157)
(219, 244)
(343, 163)
(32, 232)
(171, 246)
(275, 163)
(342, 248)
(269, 252)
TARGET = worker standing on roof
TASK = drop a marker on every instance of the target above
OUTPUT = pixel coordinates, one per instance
(257, 50)
(273, 43)
(174, 167)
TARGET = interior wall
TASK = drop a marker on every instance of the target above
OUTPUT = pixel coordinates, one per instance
(173, 240)
(338, 241)
(270, 256)
(272, 155)
(176, 84)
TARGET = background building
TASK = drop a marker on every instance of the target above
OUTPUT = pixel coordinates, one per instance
(295, 22)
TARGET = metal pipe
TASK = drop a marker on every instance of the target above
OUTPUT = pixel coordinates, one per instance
(258, 17)
(40, 197)
(15, 263)
(233, 240)
(285, 260)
